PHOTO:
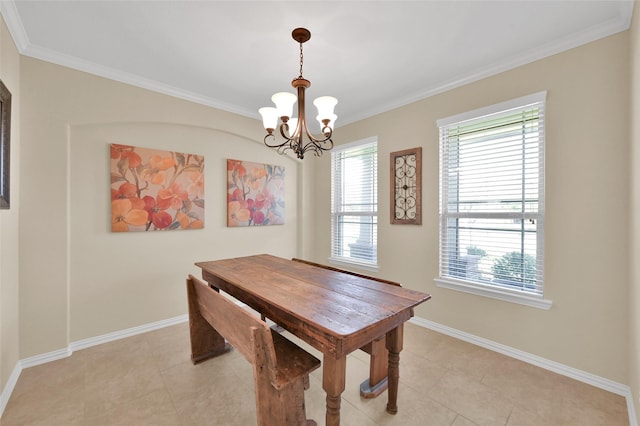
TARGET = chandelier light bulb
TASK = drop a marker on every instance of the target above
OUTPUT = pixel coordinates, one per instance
(284, 103)
(325, 106)
(269, 118)
(332, 120)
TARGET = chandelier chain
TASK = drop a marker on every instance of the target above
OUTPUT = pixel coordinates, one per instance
(301, 58)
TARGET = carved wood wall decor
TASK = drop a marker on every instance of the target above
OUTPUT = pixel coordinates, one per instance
(406, 186)
(5, 144)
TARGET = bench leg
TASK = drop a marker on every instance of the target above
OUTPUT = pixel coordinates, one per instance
(378, 370)
(280, 407)
(206, 342)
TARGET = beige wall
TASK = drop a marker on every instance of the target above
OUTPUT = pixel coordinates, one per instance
(9, 241)
(79, 280)
(634, 252)
(587, 169)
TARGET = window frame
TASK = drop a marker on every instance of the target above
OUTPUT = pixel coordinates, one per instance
(336, 211)
(487, 290)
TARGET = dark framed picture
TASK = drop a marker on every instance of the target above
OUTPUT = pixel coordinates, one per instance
(406, 187)
(5, 144)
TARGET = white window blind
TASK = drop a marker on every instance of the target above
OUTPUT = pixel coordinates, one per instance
(492, 197)
(354, 207)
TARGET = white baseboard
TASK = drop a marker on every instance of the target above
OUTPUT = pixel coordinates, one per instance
(110, 337)
(8, 389)
(44, 358)
(592, 379)
(81, 344)
(565, 370)
(633, 420)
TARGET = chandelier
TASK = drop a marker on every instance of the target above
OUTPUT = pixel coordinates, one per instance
(294, 130)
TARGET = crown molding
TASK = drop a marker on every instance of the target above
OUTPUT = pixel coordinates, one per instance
(613, 26)
(14, 23)
(89, 67)
(26, 48)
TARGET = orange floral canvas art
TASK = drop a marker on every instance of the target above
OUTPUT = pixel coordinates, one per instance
(155, 190)
(255, 194)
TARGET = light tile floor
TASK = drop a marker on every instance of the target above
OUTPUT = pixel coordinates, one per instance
(149, 380)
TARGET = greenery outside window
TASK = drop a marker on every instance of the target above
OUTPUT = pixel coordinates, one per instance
(354, 204)
(492, 201)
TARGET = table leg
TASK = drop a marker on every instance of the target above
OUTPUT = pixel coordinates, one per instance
(333, 383)
(394, 345)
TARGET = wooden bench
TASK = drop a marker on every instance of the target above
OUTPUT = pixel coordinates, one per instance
(280, 368)
(379, 363)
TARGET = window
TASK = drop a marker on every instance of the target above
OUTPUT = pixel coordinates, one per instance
(492, 201)
(354, 203)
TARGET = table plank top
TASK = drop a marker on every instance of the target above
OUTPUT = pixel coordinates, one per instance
(338, 311)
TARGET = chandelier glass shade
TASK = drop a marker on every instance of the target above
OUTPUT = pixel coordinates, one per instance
(295, 131)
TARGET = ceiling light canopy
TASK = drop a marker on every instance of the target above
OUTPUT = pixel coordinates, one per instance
(294, 130)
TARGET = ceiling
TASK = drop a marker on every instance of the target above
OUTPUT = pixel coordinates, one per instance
(372, 55)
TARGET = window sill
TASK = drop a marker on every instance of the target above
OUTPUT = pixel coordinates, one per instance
(357, 265)
(495, 293)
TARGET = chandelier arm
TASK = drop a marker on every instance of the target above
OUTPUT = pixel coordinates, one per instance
(285, 137)
(266, 140)
(319, 140)
(315, 144)
(302, 119)
(317, 147)
(282, 149)
(295, 142)
(273, 137)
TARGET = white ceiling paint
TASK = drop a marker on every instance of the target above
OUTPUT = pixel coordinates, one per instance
(372, 55)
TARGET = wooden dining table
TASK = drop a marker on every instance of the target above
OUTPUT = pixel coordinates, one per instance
(333, 311)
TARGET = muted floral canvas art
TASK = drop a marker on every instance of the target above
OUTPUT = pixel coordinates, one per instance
(155, 190)
(255, 194)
